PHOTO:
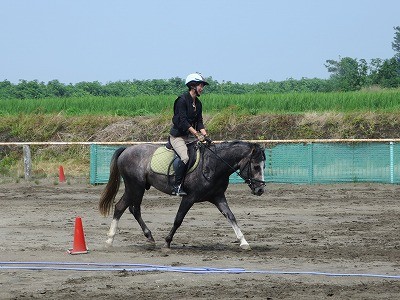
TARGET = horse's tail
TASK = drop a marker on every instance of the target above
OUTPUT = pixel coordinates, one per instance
(111, 189)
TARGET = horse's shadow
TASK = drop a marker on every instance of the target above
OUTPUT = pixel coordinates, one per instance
(188, 249)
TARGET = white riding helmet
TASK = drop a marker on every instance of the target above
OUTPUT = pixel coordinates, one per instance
(195, 78)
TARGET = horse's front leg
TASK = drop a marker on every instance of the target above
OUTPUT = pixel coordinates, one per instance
(136, 194)
(184, 207)
(223, 207)
(136, 212)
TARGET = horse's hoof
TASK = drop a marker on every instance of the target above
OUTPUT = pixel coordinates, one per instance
(151, 241)
(245, 246)
(166, 247)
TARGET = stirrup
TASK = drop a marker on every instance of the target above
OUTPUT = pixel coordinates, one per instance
(176, 190)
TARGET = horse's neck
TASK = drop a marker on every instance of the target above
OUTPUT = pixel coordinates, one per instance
(230, 157)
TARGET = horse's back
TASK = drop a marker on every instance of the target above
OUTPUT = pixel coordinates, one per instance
(137, 155)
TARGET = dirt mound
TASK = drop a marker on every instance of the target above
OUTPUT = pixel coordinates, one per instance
(220, 127)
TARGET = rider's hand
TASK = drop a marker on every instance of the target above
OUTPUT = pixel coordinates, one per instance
(200, 137)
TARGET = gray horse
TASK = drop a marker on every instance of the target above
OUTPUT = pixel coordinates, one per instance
(208, 182)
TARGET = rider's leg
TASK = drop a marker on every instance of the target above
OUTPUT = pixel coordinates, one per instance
(179, 145)
(180, 171)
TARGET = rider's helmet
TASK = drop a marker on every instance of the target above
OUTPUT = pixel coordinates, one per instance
(195, 79)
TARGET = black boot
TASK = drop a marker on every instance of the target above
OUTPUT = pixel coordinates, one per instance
(180, 171)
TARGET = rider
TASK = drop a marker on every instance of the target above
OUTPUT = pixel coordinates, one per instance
(187, 125)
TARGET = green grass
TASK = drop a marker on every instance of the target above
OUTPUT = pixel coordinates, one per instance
(88, 105)
(360, 101)
(363, 101)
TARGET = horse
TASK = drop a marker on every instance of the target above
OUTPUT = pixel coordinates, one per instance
(207, 182)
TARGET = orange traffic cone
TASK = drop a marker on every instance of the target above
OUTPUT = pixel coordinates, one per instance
(79, 239)
(61, 176)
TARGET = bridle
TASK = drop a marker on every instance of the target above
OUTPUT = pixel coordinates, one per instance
(248, 179)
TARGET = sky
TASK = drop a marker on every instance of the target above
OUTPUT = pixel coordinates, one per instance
(247, 41)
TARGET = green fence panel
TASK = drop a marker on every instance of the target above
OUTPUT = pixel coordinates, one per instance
(301, 163)
(287, 163)
(395, 163)
(100, 158)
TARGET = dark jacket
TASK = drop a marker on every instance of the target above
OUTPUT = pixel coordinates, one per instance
(185, 115)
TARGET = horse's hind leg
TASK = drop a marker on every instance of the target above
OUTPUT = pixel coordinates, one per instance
(119, 209)
(132, 200)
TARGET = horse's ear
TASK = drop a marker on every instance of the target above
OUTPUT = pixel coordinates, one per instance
(255, 149)
(258, 152)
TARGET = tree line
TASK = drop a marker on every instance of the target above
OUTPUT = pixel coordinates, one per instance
(346, 74)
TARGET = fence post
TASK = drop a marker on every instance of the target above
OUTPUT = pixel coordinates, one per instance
(27, 162)
(93, 163)
(391, 147)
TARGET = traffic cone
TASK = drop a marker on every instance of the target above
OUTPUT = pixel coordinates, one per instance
(79, 239)
(61, 176)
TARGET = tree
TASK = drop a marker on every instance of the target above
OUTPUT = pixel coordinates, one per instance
(395, 63)
(388, 75)
(7, 90)
(348, 73)
(93, 88)
(57, 89)
(374, 69)
(396, 42)
(30, 89)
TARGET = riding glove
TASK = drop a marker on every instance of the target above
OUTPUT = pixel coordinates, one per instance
(200, 137)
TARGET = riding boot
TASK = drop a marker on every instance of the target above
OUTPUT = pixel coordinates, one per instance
(180, 171)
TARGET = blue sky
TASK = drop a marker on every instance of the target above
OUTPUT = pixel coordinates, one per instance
(240, 41)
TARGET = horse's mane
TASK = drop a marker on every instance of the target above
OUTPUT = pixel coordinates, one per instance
(229, 144)
(221, 147)
(225, 144)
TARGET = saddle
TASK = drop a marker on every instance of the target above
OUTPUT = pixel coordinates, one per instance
(164, 157)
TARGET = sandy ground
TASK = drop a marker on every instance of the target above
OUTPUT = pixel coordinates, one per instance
(344, 229)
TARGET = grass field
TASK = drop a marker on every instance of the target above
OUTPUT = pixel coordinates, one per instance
(360, 101)
(363, 114)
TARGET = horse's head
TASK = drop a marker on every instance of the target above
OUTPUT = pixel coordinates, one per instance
(252, 169)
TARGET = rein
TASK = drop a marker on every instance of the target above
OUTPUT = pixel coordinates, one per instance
(248, 180)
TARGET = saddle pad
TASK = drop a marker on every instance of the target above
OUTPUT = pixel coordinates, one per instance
(163, 157)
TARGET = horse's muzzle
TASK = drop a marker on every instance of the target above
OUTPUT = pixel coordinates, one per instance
(258, 191)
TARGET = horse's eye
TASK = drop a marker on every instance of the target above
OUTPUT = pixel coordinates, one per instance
(257, 168)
